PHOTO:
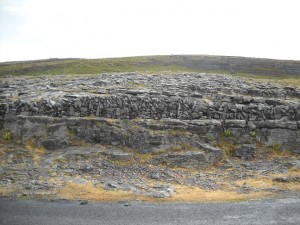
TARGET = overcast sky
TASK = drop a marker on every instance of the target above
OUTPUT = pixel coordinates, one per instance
(37, 29)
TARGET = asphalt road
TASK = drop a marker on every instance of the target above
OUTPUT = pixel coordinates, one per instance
(29, 212)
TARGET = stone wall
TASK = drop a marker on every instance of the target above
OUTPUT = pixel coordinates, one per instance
(148, 106)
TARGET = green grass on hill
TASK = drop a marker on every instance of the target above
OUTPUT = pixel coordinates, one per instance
(240, 66)
(91, 66)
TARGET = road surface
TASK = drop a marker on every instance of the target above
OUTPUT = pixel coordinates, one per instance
(30, 212)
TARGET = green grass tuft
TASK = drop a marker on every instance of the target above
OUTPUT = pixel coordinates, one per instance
(276, 147)
(7, 135)
(228, 133)
(253, 134)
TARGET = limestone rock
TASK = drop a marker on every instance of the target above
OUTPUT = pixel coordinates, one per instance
(245, 152)
(186, 159)
(121, 156)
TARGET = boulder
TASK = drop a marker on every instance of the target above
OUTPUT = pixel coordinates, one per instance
(120, 156)
(245, 152)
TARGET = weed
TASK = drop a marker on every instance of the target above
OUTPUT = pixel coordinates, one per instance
(276, 147)
(228, 147)
(228, 133)
(7, 135)
(253, 134)
(211, 137)
(277, 150)
(126, 121)
(71, 134)
(185, 146)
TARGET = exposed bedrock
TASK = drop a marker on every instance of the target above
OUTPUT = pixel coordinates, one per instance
(187, 118)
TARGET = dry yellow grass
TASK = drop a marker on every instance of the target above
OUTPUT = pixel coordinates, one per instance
(3, 152)
(196, 194)
(5, 191)
(294, 171)
(135, 84)
(38, 154)
(35, 152)
(269, 183)
(89, 192)
(183, 194)
(30, 146)
(282, 80)
(287, 82)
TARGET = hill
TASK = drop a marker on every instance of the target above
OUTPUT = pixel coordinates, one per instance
(266, 68)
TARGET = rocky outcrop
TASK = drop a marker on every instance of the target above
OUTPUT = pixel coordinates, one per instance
(145, 136)
(153, 113)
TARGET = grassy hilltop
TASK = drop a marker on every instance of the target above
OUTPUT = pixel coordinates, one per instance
(250, 67)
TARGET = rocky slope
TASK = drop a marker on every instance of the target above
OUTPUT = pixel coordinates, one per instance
(148, 133)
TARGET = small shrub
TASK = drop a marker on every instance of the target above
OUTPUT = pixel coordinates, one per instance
(71, 134)
(211, 137)
(185, 146)
(276, 147)
(126, 121)
(7, 135)
(253, 134)
(228, 133)
(228, 148)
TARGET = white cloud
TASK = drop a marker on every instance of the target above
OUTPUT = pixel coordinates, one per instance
(112, 28)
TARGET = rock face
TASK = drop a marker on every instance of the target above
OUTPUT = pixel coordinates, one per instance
(153, 113)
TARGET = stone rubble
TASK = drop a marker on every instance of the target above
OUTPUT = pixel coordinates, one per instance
(82, 165)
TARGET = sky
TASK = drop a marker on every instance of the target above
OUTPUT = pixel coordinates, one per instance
(40, 29)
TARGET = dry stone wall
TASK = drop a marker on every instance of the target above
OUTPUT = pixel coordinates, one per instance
(145, 105)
